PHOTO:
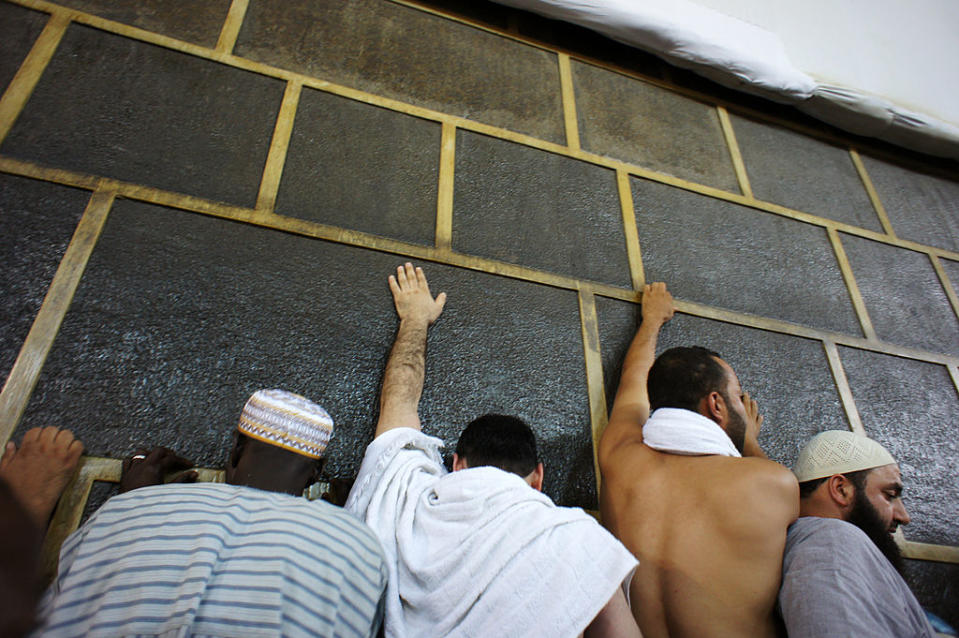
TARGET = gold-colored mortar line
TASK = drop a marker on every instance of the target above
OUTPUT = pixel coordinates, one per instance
(360, 239)
(477, 127)
(231, 26)
(596, 389)
(842, 385)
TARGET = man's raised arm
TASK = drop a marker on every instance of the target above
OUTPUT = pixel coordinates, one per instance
(406, 367)
(631, 407)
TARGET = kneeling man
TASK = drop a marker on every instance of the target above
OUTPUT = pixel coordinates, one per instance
(841, 568)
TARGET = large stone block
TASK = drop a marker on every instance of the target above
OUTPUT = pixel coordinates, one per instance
(726, 255)
(197, 21)
(536, 209)
(180, 317)
(920, 207)
(412, 56)
(112, 106)
(803, 173)
(37, 220)
(912, 408)
(903, 295)
(631, 120)
(361, 167)
(19, 28)
(788, 376)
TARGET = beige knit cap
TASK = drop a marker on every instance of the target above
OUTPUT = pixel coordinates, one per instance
(287, 420)
(839, 452)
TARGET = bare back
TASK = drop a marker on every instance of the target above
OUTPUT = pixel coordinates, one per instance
(709, 533)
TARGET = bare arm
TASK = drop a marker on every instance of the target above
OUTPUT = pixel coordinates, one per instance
(406, 366)
(754, 421)
(614, 621)
(631, 407)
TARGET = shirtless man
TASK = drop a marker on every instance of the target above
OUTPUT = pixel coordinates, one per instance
(708, 529)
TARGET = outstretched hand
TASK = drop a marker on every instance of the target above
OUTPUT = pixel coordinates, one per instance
(144, 469)
(411, 295)
(754, 420)
(657, 304)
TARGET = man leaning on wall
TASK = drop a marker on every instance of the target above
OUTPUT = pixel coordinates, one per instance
(707, 525)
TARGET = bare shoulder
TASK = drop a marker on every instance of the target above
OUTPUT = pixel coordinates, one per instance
(618, 449)
(773, 486)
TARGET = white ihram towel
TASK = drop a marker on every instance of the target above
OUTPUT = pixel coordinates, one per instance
(686, 432)
(479, 552)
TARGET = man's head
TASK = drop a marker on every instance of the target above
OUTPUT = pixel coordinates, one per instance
(848, 476)
(280, 441)
(694, 378)
(505, 442)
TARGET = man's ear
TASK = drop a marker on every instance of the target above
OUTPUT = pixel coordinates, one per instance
(239, 442)
(713, 407)
(841, 490)
(535, 478)
(459, 463)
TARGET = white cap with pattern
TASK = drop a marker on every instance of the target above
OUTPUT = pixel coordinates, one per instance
(287, 420)
(839, 452)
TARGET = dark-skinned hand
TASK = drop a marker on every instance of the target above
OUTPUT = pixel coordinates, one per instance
(149, 468)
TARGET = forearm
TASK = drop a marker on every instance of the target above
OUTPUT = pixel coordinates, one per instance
(403, 378)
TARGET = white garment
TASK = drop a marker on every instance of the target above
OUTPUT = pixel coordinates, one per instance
(479, 552)
(686, 432)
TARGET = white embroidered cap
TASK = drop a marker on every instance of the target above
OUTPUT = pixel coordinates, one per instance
(839, 452)
(287, 420)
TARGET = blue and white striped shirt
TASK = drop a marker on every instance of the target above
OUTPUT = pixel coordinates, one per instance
(217, 560)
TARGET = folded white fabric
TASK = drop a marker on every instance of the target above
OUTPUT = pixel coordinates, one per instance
(479, 552)
(686, 432)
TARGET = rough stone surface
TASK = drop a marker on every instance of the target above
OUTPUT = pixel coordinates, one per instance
(180, 317)
(912, 408)
(536, 209)
(412, 56)
(803, 173)
(640, 123)
(920, 207)
(112, 106)
(936, 586)
(19, 29)
(788, 376)
(361, 167)
(903, 295)
(726, 255)
(952, 272)
(37, 220)
(197, 21)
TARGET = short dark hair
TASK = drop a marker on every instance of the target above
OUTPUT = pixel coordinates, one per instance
(681, 377)
(502, 441)
(857, 478)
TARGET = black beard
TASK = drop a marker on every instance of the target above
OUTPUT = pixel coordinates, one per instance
(864, 516)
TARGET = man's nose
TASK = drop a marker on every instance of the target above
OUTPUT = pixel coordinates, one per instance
(899, 514)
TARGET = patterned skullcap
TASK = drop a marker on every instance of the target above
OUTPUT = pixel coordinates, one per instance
(287, 420)
(839, 452)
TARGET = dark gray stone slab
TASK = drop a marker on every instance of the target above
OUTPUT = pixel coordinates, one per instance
(803, 173)
(120, 108)
(727, 255)
(788, 376)
(19, 29)
(952, 272)
(936, 586)
(180, 317)
(920, 207)
(529, 207)
(640, 123)
(37, 220)
(903, 295)
(198, 21)
(361, 167)
(412, 56)
(911, 407)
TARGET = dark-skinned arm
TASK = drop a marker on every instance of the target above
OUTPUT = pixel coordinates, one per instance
(406, 366)
(631, 406)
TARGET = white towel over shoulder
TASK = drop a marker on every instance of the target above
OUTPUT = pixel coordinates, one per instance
(686, 432)
(479, 552)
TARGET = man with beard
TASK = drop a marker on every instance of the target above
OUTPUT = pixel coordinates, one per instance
(690, 492)
(841, 567)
